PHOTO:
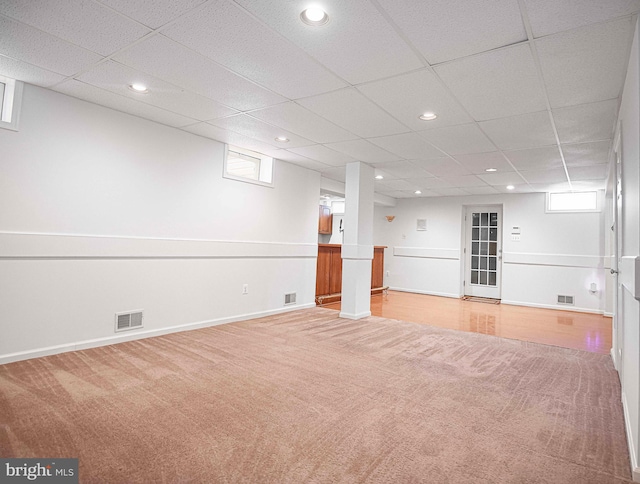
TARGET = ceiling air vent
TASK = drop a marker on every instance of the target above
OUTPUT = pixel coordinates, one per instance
(290, 298)
(565, 300)
(128, 320)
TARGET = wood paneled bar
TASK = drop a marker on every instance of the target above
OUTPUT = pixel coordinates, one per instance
(329, 272)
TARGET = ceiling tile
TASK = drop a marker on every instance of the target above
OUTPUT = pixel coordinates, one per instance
(551, 16)
(363, 150)
(168, 60)
(518, 132)
(396, 185)
(81, 22)
(500, 179)
(323, 155)
(114, 101)
(495, 84)
(31, 45)
(447, 29)
(116, 78)
(536, 158)
(551, 187)
(442, 167)
(587, 64)
(429, 182)
(586, 153)
(256, 129)
(229, 35)
(586, 122)
(28, 73)
(402, 194)
(477, 163)
(293, 117)
(153, 13)
(457, 140)
(524, 188)
(386, 176)
(463, 181)
(229, 137)
(358, 43)
(485, 190)
(409, 146)
(303, 161)
(450, 192)
(555, 175)
(352, 111)
(337, 173)
(403, 169)
(593, 172)
(408, 96)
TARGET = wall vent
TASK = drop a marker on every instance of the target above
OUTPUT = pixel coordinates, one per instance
(290, 298)
(129, 320)
(565, 300)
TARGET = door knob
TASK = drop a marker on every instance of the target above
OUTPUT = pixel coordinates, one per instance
(613, 271)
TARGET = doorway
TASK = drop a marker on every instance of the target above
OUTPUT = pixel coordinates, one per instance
(483, 251)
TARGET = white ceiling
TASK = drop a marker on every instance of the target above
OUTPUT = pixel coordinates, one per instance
(528, 87)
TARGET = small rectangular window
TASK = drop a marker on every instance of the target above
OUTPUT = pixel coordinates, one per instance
(248, 166)
(573, 202)
(10, 100)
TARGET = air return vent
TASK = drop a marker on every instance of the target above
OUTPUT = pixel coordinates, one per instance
(290, 298)
(129, 320)
(565, 300)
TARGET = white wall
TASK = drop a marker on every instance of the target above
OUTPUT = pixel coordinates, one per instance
(628, 308)
(558, 253)
(103, 212)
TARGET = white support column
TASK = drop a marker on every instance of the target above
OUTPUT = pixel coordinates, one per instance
(357, 247)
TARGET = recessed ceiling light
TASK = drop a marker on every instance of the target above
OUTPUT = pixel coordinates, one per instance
(282, 139)
(510, 187)
(417, 192)
(139, 88)
(491, 169)
(379, 177)
(428, 116)
(314, 16)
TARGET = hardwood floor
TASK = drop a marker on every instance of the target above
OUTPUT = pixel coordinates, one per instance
(569, 329)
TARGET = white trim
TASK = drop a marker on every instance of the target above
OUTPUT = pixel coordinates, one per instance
(30, 246)
(612, 354)
(635, 469)
(608, 314)
(132, 336)
(551, 306)
(428, 293)
(426, 253)
(561, 260)
(364, 314)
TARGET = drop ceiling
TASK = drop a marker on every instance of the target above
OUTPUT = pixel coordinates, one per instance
(528, 87)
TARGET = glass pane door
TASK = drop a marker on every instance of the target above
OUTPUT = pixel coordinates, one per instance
(483, 251)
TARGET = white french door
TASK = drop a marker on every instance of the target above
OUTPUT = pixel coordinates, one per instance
(483, 251)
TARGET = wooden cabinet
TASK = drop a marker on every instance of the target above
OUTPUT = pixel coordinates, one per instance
(325, 220)
(329, 272)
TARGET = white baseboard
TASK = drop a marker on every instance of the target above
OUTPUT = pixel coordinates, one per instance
(608, 314)
(613, 358)
(365, 314)
(552, 306)
(121, 338)
(428, 293)
(635, 470)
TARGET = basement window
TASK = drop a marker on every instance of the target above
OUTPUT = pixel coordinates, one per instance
(10, 101)
(248, 166)
(573, 202)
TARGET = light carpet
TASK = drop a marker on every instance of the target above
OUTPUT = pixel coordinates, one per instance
(308, 397)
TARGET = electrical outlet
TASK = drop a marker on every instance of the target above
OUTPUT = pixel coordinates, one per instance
(245, 289)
